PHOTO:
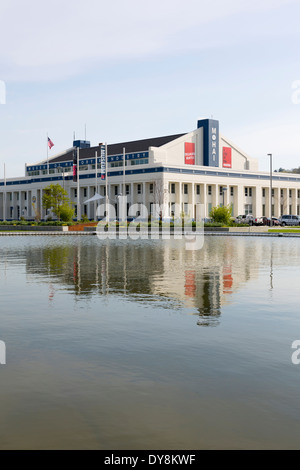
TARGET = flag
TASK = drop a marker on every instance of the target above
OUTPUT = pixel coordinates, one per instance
(50, 143)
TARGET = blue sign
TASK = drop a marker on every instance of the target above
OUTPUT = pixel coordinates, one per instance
(210, 141)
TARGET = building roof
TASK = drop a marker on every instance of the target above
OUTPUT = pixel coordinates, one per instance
(117, 149)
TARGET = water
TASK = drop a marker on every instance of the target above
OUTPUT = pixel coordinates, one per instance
(143, 345)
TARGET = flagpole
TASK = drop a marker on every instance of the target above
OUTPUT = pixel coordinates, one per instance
(106, 185)
(4, 196)
(47, 155)
(124, 187)
(96, 192)
(78, 188)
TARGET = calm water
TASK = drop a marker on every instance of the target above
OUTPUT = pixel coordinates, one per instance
(143, 345)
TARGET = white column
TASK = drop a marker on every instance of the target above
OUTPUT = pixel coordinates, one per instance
(144, 207)
(180, 198)
(193, 200)
(89, 205)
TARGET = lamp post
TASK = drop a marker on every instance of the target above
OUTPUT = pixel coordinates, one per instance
(271, 189)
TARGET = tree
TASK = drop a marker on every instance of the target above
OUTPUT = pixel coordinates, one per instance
(56, 199)
(221, 214)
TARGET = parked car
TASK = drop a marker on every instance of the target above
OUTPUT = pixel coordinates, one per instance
(289, 220)
(249, 219)
(244, 219)
(267, 221)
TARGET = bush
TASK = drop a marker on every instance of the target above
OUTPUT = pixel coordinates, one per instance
(221, 214)
(66, 212)
(84, 219)
(213, 224)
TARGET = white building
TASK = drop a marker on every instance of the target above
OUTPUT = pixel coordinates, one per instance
(199, 167)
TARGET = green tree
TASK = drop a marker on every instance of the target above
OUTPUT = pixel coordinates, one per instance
(221, 214)
(56, 199)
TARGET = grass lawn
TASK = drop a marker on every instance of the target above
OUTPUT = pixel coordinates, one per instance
(284, 230)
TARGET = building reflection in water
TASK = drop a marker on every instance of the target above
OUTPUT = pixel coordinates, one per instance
(148, 272)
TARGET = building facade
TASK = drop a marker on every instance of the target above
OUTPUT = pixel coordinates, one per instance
(179, 171)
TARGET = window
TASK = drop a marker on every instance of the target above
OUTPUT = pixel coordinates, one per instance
(273, 192)
(290, 193)
(221, 190)
(116, 190)
(209, 190)
(232, 191)
(25, 196)
(248, 209)
(290, 208)
(246, 192)
(172, 188)
(127, 189)
(263, 192)
(139, 189)
(75, 192)
(185, 189)
(250, 192)
(263, 210)
(104, 191)
(198, 189)
(281, 193)
(84, 192)
(141, 161)
(298, 193)
(151, 187)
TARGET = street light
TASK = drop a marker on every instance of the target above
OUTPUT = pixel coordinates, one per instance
(271, 189)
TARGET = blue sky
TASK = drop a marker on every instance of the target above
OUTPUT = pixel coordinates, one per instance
(131, 70)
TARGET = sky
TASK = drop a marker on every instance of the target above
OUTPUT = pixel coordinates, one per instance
(120, 70)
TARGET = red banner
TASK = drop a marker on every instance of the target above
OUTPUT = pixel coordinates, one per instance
(189, 153)
(227, 157)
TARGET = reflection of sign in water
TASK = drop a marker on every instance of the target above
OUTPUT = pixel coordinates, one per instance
(190, 283)
(227, 157)
(189, 153)
(227, 280)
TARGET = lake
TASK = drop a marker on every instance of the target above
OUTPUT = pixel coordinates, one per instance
(123, 344)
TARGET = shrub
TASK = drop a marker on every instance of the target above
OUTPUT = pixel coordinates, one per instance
(221, 214)
(66, 212)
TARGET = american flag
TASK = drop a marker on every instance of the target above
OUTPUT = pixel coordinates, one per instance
(50, 143)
